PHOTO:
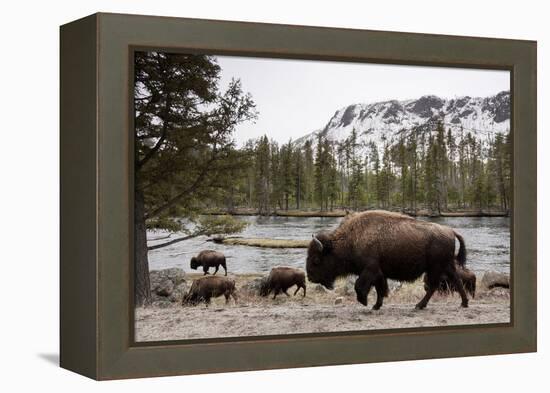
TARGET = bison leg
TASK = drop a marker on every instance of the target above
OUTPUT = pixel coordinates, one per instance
(224, 268)
(205, 270)
(285, 292)
(370, 276)
(362, 287)
(424, 302)
(226, 295)
(235, 298)
(431, 283)
(457, 282)
(217, 267)
(381, 286)
(276, 291)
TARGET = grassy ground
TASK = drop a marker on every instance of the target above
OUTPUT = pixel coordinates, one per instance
(320, 311)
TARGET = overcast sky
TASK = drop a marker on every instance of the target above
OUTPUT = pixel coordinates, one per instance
(296, 97)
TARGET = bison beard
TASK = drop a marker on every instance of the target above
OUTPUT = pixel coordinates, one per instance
(378, 245)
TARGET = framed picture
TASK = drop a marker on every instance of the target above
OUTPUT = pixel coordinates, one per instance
(242, 196)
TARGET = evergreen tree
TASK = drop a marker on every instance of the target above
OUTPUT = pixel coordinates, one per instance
(262, 175)
(356, 172)
(309, 174)
(298, 167)
(184, 128)
(320, 165)
(286, 173)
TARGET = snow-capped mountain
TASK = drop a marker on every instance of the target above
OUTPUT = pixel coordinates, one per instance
(482, 116)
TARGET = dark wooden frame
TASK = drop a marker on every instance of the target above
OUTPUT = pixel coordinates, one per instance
(97, 208)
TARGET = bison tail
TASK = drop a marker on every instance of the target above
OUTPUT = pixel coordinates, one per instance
(461, 257)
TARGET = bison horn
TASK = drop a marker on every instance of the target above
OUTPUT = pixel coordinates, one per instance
(317, 243)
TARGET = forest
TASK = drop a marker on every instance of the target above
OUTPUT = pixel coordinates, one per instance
(428, 168)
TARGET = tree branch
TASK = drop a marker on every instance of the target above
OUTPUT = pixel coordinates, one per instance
(162, 138)
(188, 190)
(180, 239)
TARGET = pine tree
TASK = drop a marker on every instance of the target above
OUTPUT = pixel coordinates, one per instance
(181, 148)
(262, 175)
(309, 174)
(376, 178)
(286, 173)
(320, 165)
(276, 180)
(298, 167)
(356, 172)
(331, 175)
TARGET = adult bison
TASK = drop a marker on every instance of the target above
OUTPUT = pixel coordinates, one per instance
(208, 259)
(205, 288)
(377, 245)
(282, 278)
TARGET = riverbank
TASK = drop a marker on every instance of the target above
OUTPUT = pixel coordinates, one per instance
(321, 310)
(343, 213)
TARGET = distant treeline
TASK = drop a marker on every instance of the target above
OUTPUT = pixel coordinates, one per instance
(435, 170)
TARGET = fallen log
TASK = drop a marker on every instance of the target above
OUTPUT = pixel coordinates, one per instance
(259, 242)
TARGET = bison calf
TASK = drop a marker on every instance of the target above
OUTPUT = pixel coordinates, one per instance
(466, 276)
(282, 278)
(208, 259)
(205, 288)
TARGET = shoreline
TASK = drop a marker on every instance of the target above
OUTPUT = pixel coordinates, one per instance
(343, 213)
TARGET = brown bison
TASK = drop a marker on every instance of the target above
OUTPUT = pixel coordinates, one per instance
(377, 245)
(466, 276)
(205, 288)
(282, 278)
(208, 259)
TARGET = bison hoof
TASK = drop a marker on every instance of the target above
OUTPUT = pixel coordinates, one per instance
(376, 307)
(465, 305)
(420, 306)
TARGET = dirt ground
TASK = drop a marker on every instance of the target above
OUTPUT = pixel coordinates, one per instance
(320, 311)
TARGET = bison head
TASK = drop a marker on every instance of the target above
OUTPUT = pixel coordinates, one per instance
(186, 299)
(189, 299)
(264, 287)
(194, 263)
(321, 264)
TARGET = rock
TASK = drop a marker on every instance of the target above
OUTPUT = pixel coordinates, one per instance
(339, 300)
(493, 279)
(176, 275)
(178, 293)
(165, 282)
(165, 288)
(253, 287)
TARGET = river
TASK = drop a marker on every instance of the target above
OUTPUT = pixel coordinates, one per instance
(487, 243)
